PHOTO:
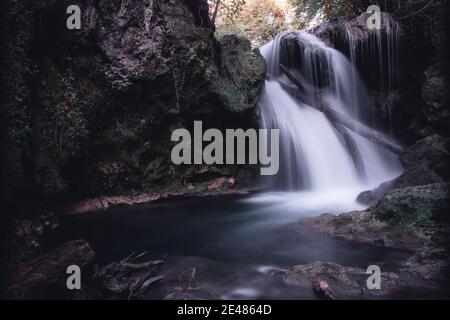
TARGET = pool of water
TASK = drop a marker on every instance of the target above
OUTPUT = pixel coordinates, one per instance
(234, 240)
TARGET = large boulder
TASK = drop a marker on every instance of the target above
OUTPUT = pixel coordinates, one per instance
(404, 218)
(418, 206)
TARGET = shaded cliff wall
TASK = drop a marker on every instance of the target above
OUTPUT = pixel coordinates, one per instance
(91, 111)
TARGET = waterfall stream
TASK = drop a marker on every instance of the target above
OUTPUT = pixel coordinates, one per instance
(314, 156)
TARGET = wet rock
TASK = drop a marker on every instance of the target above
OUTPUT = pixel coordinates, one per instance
(418, 206)
(404, 218)
(414, 219)
(332, 274)
(363, 226)
(45, 276)
(335, 32)
(425, 162)
(333, 281)
(371, 197)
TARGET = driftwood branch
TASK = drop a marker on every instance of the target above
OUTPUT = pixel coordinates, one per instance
(337, 117)
(357, 158)
(216, 10)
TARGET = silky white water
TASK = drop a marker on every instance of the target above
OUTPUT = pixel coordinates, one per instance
(318, 172)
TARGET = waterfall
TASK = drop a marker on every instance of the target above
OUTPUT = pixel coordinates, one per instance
(314, 155)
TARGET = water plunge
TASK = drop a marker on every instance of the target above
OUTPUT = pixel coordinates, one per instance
(314, 154)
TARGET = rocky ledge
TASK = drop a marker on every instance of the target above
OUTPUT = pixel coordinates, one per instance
(413, 218)
(218, 186)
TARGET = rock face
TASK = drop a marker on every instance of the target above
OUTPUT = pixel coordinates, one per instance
(45, 276)
(102, 101)
(425, 162)
(424, 83)
(435, 95)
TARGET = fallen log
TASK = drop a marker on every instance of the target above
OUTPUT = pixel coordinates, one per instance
(293, 79)
(45, 276)
(346, 137)
(358, 161)
(337, 117)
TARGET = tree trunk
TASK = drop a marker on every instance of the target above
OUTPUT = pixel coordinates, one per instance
(216, 11)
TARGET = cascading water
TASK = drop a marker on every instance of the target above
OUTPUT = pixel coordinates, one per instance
(314, 155)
